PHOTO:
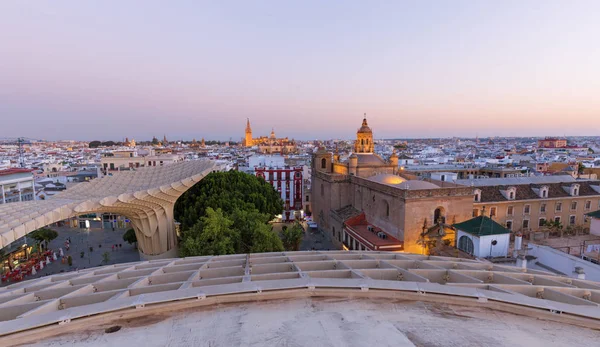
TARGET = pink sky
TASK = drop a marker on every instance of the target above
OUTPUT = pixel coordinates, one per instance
(109, 70)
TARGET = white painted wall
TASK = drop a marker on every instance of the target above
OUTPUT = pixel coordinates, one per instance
(499, 250)
(595, 227)
(563, 262)
(266, 160)
(483, 244)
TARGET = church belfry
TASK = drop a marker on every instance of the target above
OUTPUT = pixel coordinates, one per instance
(248, 142)
(364, 138)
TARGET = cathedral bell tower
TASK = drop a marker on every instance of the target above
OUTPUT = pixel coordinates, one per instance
(364, 138)
(248, 142)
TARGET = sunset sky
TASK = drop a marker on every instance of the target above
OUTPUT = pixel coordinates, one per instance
(190, 69)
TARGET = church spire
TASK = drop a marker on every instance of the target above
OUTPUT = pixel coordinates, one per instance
(248, 128)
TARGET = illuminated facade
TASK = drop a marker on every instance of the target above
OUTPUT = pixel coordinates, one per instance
(268, 144)
(413, 211)
(550, 142)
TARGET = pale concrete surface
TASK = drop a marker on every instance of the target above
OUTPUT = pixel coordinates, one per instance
(333, 322)
(568, 243)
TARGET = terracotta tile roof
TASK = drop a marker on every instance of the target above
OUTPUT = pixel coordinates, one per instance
(526, 192)
(358, 227)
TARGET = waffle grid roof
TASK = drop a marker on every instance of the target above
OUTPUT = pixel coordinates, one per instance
(60, 299)
(138, 193)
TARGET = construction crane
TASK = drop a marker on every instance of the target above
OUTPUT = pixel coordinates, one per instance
(18, 142)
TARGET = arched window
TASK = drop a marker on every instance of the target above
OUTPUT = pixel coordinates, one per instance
(323, 163)
(362, 141)
(385, 208)
(333, 231)
(465, 244)
(439, 215)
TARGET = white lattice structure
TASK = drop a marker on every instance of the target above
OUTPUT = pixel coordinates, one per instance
(73, 301)
(145, 196)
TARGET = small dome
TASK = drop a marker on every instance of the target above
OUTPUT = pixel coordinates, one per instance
(417, 185)
(387, 179)
(365, 127)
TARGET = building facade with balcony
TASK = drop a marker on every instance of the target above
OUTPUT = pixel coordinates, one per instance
(288, 181)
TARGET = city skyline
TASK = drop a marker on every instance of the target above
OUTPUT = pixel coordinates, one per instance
(110, 70)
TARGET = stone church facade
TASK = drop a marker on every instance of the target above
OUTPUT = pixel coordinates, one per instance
(403, 206)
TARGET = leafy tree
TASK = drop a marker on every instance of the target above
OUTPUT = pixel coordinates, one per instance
(130, 237)
(228, 191)
(228, 212)
(108, 143)
(256, 235)
(154, 141)
(554, 226)
(44, 235)
(105, 257)
(265, 240)
(213, 235)
(95, 144)
(292, 237)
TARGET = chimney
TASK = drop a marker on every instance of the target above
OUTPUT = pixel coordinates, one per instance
(518, 245)
(580, 272)
(522, 262)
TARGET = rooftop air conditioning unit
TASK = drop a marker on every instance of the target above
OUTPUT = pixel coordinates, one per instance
(370, 227)
(381, 235)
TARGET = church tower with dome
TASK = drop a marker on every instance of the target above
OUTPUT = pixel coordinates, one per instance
(354, 193)
(364, 138)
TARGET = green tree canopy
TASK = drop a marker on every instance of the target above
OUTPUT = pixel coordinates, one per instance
(228, 212)
(292, 237)
(130, 237)
(212, 235)
(43, 235)
(229, 191)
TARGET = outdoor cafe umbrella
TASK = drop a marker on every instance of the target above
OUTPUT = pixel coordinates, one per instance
(60, 251)
(41, 264)
(47, 260)
(53, 255)
(33, 272)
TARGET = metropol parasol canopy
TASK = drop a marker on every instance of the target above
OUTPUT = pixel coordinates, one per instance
(146, 196)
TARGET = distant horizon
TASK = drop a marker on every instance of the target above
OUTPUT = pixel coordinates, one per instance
(305, 140)
(426, 69)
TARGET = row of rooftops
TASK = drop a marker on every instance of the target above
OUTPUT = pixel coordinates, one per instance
(540, 191)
